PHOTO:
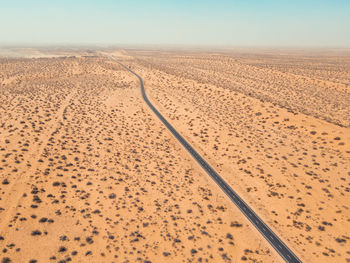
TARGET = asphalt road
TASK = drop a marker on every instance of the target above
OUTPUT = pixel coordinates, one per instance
(270, 236)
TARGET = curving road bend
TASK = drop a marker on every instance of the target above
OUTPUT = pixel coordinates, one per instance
(269, 235)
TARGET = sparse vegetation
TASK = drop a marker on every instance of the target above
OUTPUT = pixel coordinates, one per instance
(93, 176)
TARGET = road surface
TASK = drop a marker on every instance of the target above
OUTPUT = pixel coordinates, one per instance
(270, 236)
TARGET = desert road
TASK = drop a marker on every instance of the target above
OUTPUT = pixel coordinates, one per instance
(269, 235)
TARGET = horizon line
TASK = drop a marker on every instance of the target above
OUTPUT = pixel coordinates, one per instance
(135, 45)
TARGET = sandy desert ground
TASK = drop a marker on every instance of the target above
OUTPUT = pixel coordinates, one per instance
(275, 126)
(89, 174)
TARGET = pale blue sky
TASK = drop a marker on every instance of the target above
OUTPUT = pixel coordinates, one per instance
(176, 22)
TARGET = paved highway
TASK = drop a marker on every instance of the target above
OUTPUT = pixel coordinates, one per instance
(270, 236)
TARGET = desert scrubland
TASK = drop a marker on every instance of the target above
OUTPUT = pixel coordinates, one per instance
(88, 174)
(275, 126)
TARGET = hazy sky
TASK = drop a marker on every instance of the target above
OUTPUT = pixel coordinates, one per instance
(176, 22)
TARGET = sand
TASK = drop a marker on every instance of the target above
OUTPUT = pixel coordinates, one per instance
(89, 174)
(276, 127)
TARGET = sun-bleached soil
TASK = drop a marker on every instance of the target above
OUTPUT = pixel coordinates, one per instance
(276, 127)
(88, 174)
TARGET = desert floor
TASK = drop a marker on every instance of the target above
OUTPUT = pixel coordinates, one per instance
(89, 174)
